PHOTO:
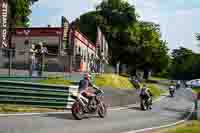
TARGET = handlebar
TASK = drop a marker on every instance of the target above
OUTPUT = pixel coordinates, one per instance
(99, 91)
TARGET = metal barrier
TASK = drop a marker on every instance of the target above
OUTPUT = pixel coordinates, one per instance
(16, 62)
(40, 95)
(20, 62)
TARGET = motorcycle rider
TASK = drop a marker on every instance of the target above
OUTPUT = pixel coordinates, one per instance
(85, 86)
(178, 84)
(146, 94)
(136, 83)
(172, 88)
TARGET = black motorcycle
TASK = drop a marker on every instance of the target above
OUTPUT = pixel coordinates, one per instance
(171, 91)
(146, 103)
(91, 105)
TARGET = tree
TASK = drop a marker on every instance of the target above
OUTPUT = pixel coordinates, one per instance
(185, 64)
(198, 36)
(19, 12)
(135, 43)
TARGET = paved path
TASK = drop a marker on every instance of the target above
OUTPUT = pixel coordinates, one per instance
(167, 111)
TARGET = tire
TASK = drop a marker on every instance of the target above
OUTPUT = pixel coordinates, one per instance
(142, 106)
(146, 105)
(172, 94)
(102, 110)
(77, 111)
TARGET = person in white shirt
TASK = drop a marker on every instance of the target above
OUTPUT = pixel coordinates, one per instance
(33, 60)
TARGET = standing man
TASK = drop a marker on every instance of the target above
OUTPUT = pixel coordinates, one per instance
(32, 60)
(39, 57)
(42, 51)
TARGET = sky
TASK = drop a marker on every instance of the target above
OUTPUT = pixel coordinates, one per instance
(179, 19)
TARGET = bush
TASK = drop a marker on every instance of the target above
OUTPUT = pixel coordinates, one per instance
(113, 81)
(163, 74)
(155, 90)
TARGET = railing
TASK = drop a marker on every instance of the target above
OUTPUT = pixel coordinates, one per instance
(40, 95)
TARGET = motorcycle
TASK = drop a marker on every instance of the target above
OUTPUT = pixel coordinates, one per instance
(93, 105)
(146, 104)
(178, 86)
(171, 91)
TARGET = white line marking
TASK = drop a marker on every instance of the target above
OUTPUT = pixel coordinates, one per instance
(134, 105)
(163, 126)
(67, 112)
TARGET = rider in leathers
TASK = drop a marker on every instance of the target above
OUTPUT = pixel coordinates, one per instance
(86, 86)
(146, 94)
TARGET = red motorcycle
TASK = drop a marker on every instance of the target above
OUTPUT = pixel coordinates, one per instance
(89, 105)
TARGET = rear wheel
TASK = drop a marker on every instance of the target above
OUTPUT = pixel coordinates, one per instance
(172, 93)
(142, 105)
(102, 110)
(77, 111)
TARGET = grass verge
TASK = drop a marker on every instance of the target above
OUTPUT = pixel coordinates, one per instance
(155, 90)
(7, 108)
(196, 90)
(113, 81)
(55, 81)
(103, 80)
(188, 127)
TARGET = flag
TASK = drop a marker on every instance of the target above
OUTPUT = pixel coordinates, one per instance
(65, 26)
(101, 44)
(99, 35)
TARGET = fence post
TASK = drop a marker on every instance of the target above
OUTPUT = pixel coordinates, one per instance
(43, 58)
(10, 62)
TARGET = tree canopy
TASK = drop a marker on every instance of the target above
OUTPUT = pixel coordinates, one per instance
(133, 42)
(20, 11)
(185, 64)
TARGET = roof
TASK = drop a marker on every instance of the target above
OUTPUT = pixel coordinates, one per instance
(39, 31)
(51, 31)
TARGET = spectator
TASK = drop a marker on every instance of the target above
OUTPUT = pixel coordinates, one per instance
(33, 60)
(42, 51)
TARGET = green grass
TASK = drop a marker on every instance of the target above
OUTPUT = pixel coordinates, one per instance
(159, 81)
(7, 108)
(167, 84)
(55, 81)
(106, 80)
(189, 127)
(196, 90)
(155, 90)
(113, 81)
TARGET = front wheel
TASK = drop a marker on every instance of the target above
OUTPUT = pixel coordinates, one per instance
(143, 105)
(102, 110)
(77, 111)
(172, 93)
